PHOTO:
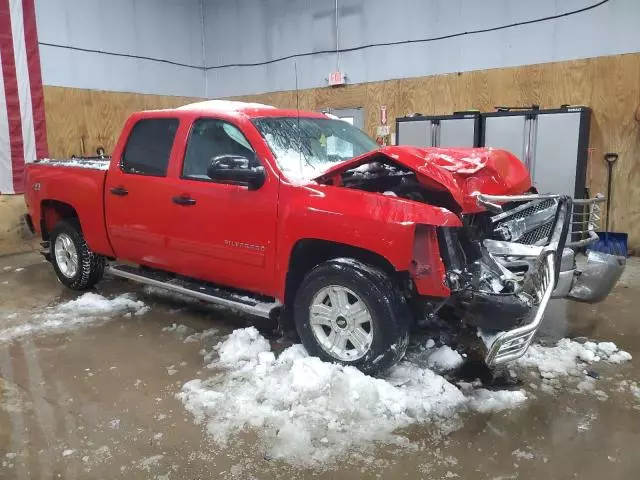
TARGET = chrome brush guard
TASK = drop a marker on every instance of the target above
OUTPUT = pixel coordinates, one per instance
(514, 343)
(530, 223)
(540, 279)
(585, 221)
(535, 236)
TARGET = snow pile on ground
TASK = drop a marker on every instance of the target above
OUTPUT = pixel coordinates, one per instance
(242, 347)
(522, 454)
(86, 309)
(444, 358)
(199, 336)
(92, 304)
(568, 357)
(440, 359)
(485, 401)
(635, 390)
(308, 411)
(176, 328)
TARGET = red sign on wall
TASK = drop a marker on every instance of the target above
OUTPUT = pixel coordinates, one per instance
(336, 78)
(383, 114)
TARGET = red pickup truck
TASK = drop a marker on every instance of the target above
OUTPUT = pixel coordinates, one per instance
(300, 217)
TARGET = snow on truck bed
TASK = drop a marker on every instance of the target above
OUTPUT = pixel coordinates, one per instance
(93, 164)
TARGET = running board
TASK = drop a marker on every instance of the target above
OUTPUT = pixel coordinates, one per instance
(193, 288)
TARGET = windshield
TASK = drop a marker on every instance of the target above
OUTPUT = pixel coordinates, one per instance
(305, 148)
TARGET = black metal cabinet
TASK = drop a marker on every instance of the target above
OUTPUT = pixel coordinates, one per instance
(553, 144)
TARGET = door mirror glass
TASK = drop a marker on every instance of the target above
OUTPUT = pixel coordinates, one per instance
(237, 169)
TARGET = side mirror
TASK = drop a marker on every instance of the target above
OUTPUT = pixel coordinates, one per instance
(236, 169)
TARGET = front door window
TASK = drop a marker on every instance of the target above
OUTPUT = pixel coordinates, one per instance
(209, 139)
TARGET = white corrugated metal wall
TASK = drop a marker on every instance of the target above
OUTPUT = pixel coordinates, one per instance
(160, 29)
(253, 31)
(246, 31)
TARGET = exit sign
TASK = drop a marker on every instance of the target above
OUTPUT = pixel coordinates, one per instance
(336, 78)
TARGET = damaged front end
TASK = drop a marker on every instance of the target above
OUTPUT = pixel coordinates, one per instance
(513, 252)
(503, 285)
(507, 263)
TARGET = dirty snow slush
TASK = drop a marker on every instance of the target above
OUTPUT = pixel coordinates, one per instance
(89, 308)
(309, 412)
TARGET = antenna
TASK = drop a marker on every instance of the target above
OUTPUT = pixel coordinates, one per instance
(295, 70)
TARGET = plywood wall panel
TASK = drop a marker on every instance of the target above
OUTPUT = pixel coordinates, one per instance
(473, 91)
(74, 115)
(616, 93)
(349, 96)
(378, 94)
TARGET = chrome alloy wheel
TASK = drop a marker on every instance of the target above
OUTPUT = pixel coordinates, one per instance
(66, 255)
(341, 323)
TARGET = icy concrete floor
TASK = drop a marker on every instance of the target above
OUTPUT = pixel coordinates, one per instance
(88, 390)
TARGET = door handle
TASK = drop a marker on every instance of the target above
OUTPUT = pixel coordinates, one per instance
(120, 191)
(184, 200)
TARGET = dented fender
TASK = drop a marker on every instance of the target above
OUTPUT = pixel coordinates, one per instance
(374, 222)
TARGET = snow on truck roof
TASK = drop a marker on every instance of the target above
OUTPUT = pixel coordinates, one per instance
(246, 108)
(233, 108)
(224, 105)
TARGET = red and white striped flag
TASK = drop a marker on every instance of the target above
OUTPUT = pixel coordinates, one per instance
(23, 135)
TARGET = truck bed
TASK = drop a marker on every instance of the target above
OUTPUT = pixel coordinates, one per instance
(77, 183)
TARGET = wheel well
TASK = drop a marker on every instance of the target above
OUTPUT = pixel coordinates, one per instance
(52, 212)
(308, 253)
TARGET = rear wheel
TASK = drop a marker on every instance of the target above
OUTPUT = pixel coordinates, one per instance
(350, 313)
(76, 266)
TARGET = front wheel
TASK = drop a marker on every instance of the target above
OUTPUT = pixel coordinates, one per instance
(350, 313)
(76, 266)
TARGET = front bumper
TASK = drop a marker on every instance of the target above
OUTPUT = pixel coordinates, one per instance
(592, 282)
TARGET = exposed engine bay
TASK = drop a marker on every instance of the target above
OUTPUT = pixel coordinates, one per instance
(395, 180)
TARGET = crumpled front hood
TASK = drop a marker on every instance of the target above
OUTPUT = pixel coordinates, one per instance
(460, 171)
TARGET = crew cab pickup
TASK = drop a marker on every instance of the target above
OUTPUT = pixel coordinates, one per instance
(301, 218)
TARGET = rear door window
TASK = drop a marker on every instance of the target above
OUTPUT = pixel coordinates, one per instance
(149, 147)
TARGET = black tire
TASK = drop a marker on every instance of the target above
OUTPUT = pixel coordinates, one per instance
(90, 265)
(390, 316)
